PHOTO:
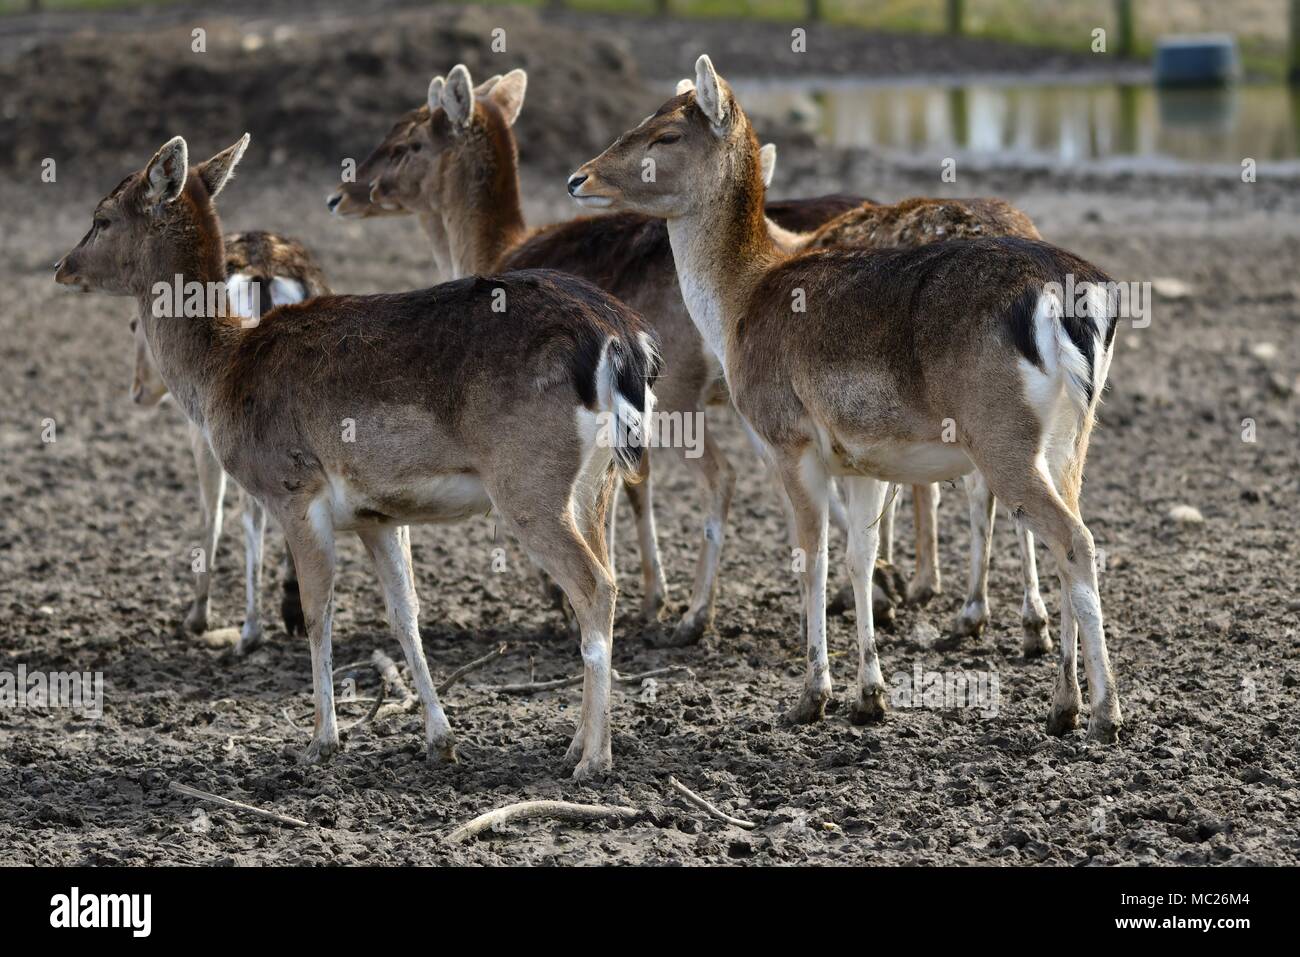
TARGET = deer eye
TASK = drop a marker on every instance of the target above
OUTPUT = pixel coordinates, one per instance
(133, 324)
(666, 138)
(417, 146)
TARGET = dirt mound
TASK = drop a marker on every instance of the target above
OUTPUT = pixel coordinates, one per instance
(318, 89)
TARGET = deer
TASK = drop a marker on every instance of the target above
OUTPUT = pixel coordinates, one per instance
(512, 394)
(453, 163)
(261, 268)
(914, 222)
(892, 342)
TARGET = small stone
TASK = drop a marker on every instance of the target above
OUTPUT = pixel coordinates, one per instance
(1264, 351)
(1185, 515)
(1280, 386)
(924, 633)
(740, 848)
(1167, 287)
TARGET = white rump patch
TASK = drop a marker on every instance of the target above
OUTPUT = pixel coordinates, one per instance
(1064, 367)
(285, 291)
(240, 295)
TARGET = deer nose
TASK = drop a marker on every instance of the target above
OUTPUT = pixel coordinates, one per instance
(333, 201)
(576, 180)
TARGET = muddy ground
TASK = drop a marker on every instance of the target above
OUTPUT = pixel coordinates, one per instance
(1203, 619)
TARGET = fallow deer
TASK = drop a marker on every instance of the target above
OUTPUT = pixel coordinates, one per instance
(367, 413)
(261, 269)
(892, 342)
(915, 222)
(453, 162)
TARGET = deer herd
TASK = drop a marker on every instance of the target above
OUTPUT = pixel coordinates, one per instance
(865, 347)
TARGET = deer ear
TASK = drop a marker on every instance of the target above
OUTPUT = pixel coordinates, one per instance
(767, 159)
(710, 93)
(164, 177)
(484, 88)
(685, 86)
(435, 92)
(458, 96)
(217, 171)
(508, 94)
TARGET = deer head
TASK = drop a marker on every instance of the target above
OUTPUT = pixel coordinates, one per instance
(438, 152)
(157, 221)
(689, 154)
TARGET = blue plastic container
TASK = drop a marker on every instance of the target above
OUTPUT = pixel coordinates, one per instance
(1209, 60)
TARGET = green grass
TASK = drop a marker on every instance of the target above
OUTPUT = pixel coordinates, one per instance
(1064, 24)
(23, 6)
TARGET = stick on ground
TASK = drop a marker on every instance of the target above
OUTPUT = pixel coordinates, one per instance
(474, 665)
(532, 687)
(236, 805)
(699, 802)
(387, 669)
(540, 810)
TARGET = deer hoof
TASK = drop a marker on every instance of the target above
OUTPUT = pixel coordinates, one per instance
(870, 707)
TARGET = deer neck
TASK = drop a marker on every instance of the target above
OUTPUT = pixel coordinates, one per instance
(483, 214)
(721, 251)
(183, 313)
(431, 224)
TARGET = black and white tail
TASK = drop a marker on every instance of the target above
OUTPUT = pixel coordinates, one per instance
(624, 375)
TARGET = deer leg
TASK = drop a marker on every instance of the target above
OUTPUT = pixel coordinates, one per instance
(1045, 514)
(925, 579)
(291, 601)
(1063, 715)
(312, 544)
(887, 525)
(1033, 613)
(555, 542)
(719, 480)
(611, 534)
(974, 614)
(806, 484)
(390, 550)
(252, 517)
(866, 500)
(212, 491)
(653, 583)
(590, 501)
(838, 514)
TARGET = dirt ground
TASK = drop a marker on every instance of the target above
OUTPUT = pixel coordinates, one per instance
(1203, 619)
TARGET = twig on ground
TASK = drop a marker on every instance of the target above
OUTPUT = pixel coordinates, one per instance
(236, 805)
(375, 704)
(539, 810)
(288, 719)
(353, 666)
(654, 673)
(699, 802)
(387, 669)
(374, 709)
(531, 687)
(392, 682)
(474, 665)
